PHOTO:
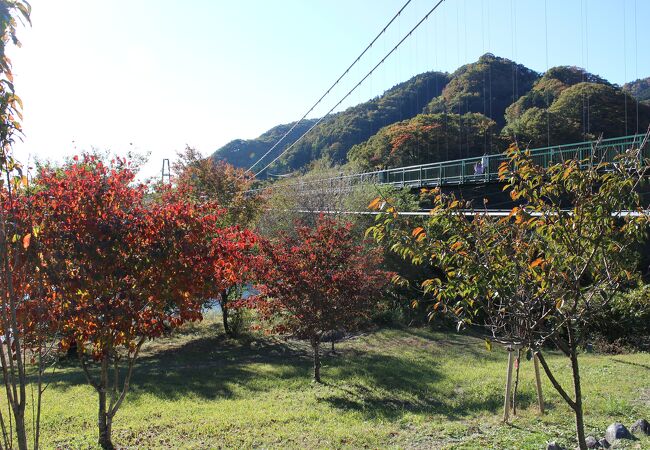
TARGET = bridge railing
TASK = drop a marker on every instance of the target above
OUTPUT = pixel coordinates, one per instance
(485, 168)
(480, 169)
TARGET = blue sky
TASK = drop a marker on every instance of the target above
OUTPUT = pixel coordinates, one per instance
(154, 75)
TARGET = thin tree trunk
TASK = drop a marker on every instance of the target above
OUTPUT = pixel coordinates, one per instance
(224, 312)
(315, 343)
(5, 437)
(103, 418)
(105, 424)
(13, 337)
(577, 407)
(516, 386)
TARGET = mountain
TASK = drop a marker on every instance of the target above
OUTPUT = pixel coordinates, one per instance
(487, 86)
(569, 104)
(480, 108)
(333, 138)
(244, 152)
(639, 89)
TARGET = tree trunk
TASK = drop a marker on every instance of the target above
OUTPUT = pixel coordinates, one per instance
(224, 312)
(315, 344)
(21, 432)
(104, 420)
(72, 350)
(516, 386)
(577, 407)
(105, 425)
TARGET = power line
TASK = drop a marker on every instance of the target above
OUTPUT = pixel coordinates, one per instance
(332, 86)
(355, 86)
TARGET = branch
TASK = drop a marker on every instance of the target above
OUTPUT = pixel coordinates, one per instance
(127, 378)
(86, 370)
(554, 382)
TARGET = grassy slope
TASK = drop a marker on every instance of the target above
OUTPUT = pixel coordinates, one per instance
(393, 388)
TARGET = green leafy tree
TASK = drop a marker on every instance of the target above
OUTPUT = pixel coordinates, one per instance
(639, 89)
(543, 273)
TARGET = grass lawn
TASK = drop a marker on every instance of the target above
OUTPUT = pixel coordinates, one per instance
(392, 388)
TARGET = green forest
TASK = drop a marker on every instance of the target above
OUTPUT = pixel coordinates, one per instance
(480, 108)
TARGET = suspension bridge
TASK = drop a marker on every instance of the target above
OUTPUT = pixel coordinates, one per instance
(475, 170)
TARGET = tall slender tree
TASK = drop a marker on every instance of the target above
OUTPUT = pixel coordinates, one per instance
(18, 290)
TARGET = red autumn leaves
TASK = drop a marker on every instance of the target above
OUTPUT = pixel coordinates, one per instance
(117, 265)
(319, 281)
(110, 264)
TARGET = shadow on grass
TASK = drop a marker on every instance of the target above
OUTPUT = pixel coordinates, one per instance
(376, 384)
(630, 363)
(383, 386)
(206, 367)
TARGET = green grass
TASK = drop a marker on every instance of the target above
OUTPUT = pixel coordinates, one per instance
(408, 388)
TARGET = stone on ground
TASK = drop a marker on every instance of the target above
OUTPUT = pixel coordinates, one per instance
(641, 426)
(617, 431)
(592, 442)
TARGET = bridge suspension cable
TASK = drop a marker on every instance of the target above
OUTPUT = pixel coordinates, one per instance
(358, 58)
(406, 36)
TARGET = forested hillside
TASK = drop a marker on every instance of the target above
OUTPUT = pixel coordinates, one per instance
(639, 89)
(336, 135)
(244, 152)
(487, 86)
(480, 108)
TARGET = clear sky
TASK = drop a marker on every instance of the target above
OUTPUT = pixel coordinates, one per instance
(154, 75)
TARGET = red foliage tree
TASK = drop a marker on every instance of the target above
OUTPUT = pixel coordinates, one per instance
(126, 267)
(202, 179)
(25, 324)
(319, 281)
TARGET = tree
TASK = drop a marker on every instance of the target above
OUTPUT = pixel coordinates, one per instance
(207, 179)
(543, 273)
(125, 268)
(29, 337)
(317, 282)
(15, 235)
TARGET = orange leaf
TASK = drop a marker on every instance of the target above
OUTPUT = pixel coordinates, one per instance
(26, 240)
(536, 263)
(457, 245)
(417, 231)
(375, 203)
